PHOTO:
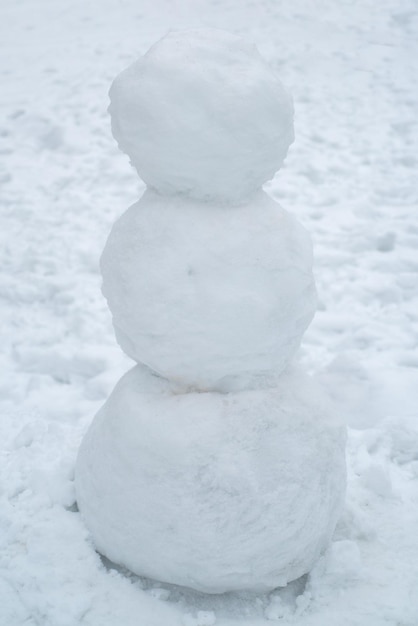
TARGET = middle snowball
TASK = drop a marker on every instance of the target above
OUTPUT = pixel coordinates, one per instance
(210, 299)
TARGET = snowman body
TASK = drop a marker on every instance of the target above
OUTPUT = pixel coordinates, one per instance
(214, 464)
(211, 297)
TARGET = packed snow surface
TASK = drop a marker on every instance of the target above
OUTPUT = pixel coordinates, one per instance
(218, 492)
(210, 296)
(202, 114)
(350, 178)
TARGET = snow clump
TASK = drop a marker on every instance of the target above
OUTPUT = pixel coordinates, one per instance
(202, 115)
(213, 491)
(213, 298)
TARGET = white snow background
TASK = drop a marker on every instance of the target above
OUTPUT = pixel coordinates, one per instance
(351, 178)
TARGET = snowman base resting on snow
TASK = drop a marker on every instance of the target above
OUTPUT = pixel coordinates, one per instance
(214, 464)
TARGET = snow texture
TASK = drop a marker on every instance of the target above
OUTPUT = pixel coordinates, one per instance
(218, 492)
(210, 296)
(202, 114)
(350, 179)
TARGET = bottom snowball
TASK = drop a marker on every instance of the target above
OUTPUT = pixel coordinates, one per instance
(217, 492)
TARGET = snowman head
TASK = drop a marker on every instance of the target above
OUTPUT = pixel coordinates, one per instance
(202, 114)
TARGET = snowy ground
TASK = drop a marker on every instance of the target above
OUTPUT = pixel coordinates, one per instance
(350, 178)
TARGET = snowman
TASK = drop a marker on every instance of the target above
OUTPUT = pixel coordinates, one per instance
(215, 463)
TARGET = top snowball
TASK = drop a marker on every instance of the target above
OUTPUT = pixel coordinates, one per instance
(203, 115)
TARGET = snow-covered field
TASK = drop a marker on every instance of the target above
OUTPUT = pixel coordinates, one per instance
(350, 178)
